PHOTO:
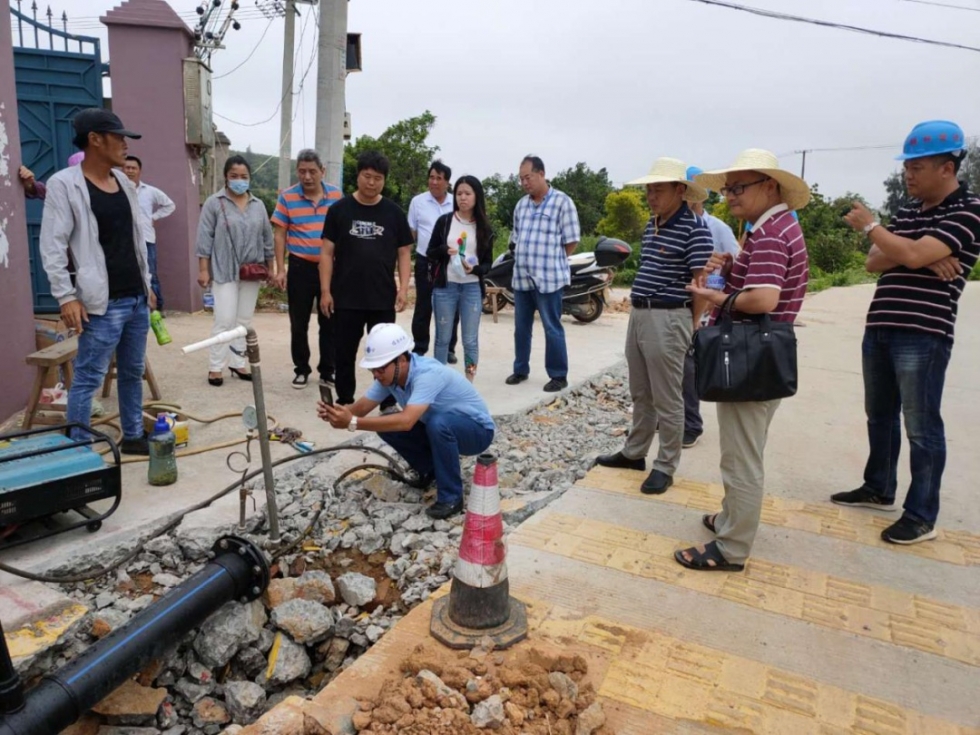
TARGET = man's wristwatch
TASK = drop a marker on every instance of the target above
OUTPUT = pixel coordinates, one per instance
(352, 426)
(868, 227)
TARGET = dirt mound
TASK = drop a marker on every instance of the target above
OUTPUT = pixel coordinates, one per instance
(531, 692)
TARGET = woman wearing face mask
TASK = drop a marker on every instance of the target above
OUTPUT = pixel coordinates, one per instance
(235, 255)
(460, 254)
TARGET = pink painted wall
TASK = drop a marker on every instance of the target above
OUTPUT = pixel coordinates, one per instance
(147, 43)
(16, 301)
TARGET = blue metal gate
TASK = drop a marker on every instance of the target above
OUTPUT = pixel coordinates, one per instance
(57, 74)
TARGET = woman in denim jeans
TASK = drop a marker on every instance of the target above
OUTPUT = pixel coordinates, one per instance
(234, 230)
(460, 254)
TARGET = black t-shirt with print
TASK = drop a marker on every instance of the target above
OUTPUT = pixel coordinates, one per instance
(114, 216)
(366, 241)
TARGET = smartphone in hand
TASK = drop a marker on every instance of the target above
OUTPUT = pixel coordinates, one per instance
(326, 395)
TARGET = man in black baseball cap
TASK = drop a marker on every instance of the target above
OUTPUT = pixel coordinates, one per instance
(98, 120)
(92, 214)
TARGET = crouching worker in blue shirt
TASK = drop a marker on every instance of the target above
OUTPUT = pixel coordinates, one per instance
(442, 415)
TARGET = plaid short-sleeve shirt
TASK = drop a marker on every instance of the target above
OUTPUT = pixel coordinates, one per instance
(540, 234)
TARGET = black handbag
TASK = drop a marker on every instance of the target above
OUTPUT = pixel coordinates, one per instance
(745, 361)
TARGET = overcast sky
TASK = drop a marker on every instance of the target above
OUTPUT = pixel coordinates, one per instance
(617, 83)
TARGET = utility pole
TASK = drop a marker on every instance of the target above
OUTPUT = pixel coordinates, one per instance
(331, 81)
(286, 109)
(803, 167)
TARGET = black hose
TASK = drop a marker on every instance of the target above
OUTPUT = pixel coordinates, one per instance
(176, 521)
(239, 571)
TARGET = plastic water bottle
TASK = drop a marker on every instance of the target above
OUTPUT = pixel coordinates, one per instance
(208, 300)
(159, 328)
(163, 460)
(715, 281)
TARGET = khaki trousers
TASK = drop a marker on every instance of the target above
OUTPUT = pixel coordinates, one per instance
(743, 428)
(657, 342)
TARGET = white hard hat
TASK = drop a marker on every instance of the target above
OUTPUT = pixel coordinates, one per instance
(385, 342)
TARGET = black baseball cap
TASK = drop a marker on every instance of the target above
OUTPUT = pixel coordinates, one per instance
(99, 120)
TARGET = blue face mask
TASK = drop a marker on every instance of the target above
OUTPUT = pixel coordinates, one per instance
(238, 186)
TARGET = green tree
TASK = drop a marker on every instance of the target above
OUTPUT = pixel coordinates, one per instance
(405, 145)
(588, 189)
(502, 196)
(895, 194)
(626, 215)
(832, 244)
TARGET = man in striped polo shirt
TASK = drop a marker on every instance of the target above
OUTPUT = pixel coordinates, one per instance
(676, 245)
(924, 256)
(298, 222)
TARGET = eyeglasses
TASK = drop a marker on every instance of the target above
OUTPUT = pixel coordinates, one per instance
(739, 189)
(380, 370)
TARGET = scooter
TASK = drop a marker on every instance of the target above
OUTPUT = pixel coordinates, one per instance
(585, 297)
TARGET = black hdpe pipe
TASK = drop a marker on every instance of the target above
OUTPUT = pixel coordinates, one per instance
(238, 571)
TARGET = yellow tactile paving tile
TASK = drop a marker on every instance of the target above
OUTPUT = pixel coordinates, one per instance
(848, 524)
(687, 682)
(872, 611)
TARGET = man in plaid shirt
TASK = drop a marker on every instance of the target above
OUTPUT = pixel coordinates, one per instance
(546, 231)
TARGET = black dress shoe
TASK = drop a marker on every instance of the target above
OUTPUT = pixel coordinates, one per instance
(621, 461)
(555, 384)
(452, 359)
(139, 446)
(440, 511)
(241, 374)
(515, 379)
(656, 483)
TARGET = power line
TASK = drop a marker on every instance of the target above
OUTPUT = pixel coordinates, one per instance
(830, 24)
(968, 138)
(250, 53)
(302, 82)
(943, 5)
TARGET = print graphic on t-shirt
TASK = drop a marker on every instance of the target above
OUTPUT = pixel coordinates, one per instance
(366, 230)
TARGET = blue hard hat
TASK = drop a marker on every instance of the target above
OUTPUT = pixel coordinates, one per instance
(933, 138)
(693, 171)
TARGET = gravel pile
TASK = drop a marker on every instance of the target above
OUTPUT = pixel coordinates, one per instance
(371, 556)
(534, 693)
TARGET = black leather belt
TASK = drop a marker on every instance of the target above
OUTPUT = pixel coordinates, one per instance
(644, 302)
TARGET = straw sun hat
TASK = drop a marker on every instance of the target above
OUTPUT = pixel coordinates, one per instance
(795, 191)
(672, 171)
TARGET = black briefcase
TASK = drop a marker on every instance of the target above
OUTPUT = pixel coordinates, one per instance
(745, 361)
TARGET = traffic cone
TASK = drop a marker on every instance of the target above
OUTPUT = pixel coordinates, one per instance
(479, 602)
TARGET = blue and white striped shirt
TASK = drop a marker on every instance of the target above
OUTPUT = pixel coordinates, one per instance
(668, 255)
(541, 232)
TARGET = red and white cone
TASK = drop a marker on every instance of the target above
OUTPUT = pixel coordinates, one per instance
(479, 602)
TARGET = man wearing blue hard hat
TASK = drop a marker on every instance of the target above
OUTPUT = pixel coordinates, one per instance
(923, 255)
(724, 241)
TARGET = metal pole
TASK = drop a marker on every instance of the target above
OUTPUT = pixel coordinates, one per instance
(252, 347)
(286, 110)
(803, 167)
(330, 87)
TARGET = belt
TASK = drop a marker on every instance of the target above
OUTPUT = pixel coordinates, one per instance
(645, 302)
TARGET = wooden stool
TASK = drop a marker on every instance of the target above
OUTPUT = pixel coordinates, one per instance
(493, 292)
(47, 360)
(147, 376)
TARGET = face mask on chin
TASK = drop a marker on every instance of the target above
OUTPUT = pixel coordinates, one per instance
(238, 186)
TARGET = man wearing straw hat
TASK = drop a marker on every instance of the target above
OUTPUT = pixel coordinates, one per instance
(770, 276)
(676, 245)
(924, 256)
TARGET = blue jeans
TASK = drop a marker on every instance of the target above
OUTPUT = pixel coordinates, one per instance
(122, 329)
(151, 261)
(468, 298)
(555, 353)
(904, 373)
(434, 445)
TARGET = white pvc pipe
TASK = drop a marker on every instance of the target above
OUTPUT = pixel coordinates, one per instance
(230, 336)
